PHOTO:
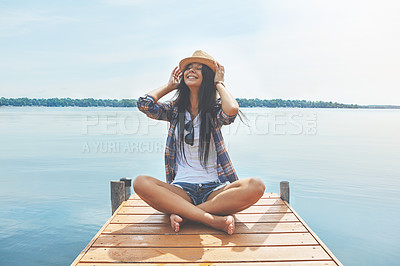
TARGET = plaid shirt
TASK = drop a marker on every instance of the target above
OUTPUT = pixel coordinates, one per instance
(167, 112)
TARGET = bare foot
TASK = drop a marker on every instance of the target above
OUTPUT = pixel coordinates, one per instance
(176, 222)
(224, 223)
(230, 222)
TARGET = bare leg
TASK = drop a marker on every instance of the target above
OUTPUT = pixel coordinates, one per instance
(175, 220)
(173, 200)
(234, 197)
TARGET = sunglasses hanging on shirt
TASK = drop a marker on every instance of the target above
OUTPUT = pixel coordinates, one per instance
(189, 138)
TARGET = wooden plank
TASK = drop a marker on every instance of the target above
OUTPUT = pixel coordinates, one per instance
(195, 228)
(203, 240)
(86, 249)
(266, 195)
(261, 202)
(323, 246)
(257, 209)
(209, 255)
(266, 218)
(291, 263)
(162, 218)
(252, 209)
(268, 233)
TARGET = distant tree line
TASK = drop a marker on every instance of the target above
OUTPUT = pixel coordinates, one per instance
(291, 103)
(243, 102)
(62, 102)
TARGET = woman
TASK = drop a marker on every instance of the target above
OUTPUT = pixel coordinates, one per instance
(202, 184)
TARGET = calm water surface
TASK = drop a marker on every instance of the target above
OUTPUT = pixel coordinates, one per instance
(56, 165)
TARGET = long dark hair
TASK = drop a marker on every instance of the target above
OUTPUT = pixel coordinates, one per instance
(207, 96)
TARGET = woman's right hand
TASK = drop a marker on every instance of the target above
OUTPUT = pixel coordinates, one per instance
(174, 79)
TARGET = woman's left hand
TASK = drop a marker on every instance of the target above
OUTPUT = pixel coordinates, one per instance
(219, 72)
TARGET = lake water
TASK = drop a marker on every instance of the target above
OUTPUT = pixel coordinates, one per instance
(56, 165)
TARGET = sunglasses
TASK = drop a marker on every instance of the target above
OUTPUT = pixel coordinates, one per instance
(189, 138)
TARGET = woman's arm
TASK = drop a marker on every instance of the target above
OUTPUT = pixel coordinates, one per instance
(229, 104)
(149, 105)
(173, 83)
(157, 94)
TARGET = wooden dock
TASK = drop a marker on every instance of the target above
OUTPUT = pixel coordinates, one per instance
(268, 233)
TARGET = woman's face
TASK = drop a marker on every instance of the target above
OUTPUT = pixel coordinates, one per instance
(192, 75)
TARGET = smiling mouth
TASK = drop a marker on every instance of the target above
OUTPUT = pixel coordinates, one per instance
(191, 77)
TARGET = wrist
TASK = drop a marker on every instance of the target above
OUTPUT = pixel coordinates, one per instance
(220, 83)
(170, 87)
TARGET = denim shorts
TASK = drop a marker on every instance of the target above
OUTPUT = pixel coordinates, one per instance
(199, 192)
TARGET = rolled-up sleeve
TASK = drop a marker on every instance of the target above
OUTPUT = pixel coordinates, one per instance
(154, 110)
(222, 117)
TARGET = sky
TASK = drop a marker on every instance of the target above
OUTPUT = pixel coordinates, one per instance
(339, 51)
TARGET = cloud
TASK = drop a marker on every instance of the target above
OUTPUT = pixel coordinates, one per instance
(334, 51)
(124, 2)
(20, 21)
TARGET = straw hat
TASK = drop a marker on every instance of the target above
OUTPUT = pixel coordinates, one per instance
(199, 57)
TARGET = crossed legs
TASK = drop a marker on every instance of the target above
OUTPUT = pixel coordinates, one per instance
(215, 212)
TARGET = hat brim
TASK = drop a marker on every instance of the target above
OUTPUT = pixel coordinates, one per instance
(186, 61)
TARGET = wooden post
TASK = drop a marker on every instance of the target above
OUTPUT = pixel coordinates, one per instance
(128, 184)
(117, 194)
(285, 191)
